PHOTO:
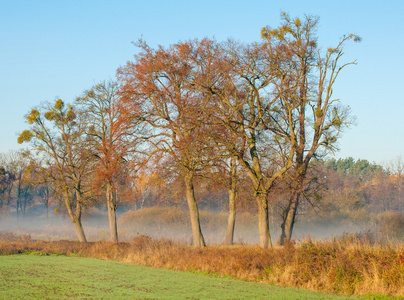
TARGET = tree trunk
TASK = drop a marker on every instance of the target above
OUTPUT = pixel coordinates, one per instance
(18, 208)
(289, 218)
(112, 213)
(24, 207)
(79, 230)
(76, 219)
(263, 221)
(46, 202)
(193, 212)
(232, 217)
(232, 201)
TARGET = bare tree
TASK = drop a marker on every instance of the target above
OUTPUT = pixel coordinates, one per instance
(315, 119)
(175, 111)
(241, 82)
(114, 135)
(44, 192)
(58, 133)
(7, 178)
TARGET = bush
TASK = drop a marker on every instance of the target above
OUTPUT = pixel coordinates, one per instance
(11, 237)
(366, 237)
(390, 225)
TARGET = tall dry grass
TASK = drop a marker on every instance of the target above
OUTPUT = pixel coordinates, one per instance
(344, 265)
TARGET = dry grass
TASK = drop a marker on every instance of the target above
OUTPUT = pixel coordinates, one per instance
(343, 266)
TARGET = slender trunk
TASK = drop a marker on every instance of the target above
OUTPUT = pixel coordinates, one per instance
(232, 199)
(18, 208)
(289, 215)
(76, 218)
(78, 213)
(263, 221)
(24, 207)
(79, 231)
(289, 218)
(46, 203)
(142, 201)
(9, 198)
(20, 204)
(232, 217)
(112, 212)
(19, 192)
(193, 212)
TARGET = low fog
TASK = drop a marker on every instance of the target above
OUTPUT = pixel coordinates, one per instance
(159, 223)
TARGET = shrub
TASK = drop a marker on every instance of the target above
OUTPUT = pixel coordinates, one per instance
(390, 225)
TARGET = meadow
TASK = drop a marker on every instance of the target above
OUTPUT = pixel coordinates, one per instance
(39, 276)
(347, 266)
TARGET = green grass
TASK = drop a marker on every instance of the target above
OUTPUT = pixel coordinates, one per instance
(61, 277)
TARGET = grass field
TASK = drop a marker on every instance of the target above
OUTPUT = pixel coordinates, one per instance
(61, 277)
(346, 266)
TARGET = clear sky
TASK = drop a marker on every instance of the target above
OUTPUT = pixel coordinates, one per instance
(57, 49)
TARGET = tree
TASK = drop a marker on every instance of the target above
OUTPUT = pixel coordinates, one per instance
(241, 82)
(6, 183)
(3, 183)
(175, 111)
(19, 182)
(396, 166)
(7, 178)
(23, 186)
(315, 119)
(114, 139)
(57, 132)
(45, 192)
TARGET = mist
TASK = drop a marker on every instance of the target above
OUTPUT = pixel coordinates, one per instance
(158, 222)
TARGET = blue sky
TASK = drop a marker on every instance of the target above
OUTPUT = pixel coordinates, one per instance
(57, 49)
